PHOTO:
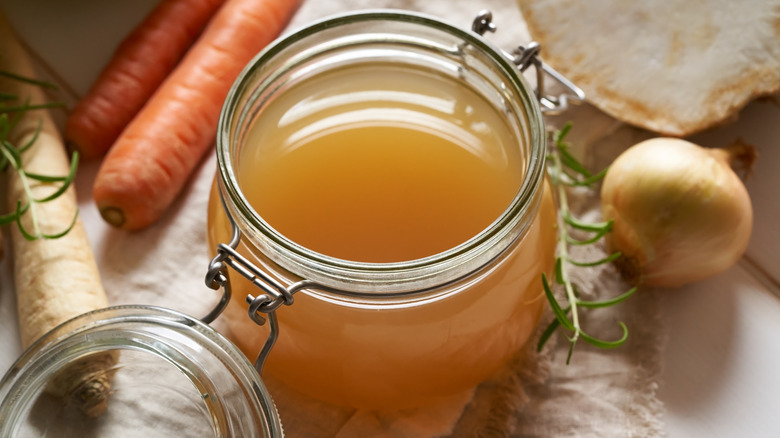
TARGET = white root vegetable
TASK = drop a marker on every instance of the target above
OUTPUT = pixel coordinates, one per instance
(681, 214)
(670, 66)
(55, 279)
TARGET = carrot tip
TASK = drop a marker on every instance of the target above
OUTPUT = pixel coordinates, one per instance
(85, 154)
(113, 216)
(71, 146)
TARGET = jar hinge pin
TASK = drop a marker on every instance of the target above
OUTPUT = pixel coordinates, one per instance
(527, 56)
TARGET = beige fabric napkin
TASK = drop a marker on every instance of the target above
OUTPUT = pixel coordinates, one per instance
(601, 394)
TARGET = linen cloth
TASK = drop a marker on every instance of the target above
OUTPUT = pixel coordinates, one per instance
(602, 393)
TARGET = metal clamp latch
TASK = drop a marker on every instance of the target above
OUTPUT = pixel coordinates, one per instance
(274, 293)
(526, 56)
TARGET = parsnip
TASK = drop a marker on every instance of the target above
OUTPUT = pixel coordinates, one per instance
(56, 279)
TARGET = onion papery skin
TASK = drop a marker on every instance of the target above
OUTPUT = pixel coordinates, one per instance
(681, 214)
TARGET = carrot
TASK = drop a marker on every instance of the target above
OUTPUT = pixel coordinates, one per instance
(54, 279)
(139, 65)
(152, 159)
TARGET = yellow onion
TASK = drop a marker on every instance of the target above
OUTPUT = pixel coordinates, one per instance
(681, 214)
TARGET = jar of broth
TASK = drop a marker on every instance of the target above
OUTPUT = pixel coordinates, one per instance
(384, 175)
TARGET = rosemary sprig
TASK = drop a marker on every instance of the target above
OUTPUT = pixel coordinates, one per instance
(565, 171)
(11, 157)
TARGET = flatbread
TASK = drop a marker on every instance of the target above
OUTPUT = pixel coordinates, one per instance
(675, 67)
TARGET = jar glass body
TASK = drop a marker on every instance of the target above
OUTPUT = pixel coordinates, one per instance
(402, 333)
(170, 375)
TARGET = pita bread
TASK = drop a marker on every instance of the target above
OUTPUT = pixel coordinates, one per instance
(671, 66)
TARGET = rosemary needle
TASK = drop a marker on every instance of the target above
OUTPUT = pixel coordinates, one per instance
(11, 157)
(565, 171)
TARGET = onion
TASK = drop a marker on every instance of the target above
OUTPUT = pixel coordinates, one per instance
(681, 214)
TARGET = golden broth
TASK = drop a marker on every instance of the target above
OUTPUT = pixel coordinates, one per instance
(387, 164)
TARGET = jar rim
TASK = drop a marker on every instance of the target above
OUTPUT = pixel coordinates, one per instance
(523, 205)
(80, 337)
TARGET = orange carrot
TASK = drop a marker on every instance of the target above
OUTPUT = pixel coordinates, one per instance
(139, 65)
(155, 155)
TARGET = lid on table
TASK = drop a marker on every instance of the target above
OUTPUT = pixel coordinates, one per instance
(135, 371)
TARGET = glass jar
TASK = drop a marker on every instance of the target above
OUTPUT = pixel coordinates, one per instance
(173, 376)
(385, 316)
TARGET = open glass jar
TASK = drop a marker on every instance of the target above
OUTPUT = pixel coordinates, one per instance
(387, 169)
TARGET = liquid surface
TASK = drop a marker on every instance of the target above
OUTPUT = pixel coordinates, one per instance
(387, 165)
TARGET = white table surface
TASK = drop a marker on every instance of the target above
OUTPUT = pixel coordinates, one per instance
(720, 374)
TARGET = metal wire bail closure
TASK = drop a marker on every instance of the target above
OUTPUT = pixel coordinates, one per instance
(275, 294)
(527, 56)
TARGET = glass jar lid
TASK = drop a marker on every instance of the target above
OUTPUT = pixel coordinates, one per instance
(171, 375)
